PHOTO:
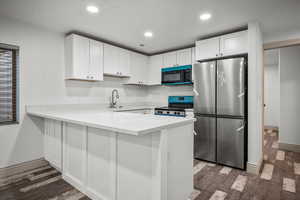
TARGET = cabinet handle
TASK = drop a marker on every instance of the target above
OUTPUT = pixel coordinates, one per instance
(217, 55)
(87, 77)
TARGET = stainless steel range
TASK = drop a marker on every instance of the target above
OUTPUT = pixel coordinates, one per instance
(177, 106)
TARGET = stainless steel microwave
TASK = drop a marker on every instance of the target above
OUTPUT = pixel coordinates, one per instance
(180, 75)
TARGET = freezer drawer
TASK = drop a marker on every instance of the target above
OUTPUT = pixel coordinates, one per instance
(205, 138)
(231, 87)
(205, 87)
(230, 141)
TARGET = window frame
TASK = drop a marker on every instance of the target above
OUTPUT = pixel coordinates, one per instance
(15, 83)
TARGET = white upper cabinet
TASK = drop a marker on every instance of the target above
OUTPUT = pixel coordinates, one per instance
(184, 57)
(235, 43)
(178, 58)
(207, 49)
(84, 58)
(226, 45)
(170, 59)
(116, 61)
(96, 60)
(154, 72)
(139, 69)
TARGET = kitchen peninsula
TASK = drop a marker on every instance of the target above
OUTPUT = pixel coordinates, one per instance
(111, 155)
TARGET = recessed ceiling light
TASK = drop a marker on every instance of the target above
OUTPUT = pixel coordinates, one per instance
(92, 9)
(205, 16)
(148, 34)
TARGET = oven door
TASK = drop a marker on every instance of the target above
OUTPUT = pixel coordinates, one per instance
(172, 77)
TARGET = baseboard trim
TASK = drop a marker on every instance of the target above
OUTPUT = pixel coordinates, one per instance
(289, 147)
(22, 167)
(254, 168)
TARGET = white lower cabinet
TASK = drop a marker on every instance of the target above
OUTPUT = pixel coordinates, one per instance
(106, 165)
(53, 142)
(101, 164)
(74, 155)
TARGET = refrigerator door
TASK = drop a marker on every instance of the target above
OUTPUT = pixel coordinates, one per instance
(230, 141)
(204, 88)
(205, 138)
(231, 87)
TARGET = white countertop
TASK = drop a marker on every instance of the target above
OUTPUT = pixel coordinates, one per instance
(105, 118)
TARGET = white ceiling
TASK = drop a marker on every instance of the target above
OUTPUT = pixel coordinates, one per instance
(175, 23)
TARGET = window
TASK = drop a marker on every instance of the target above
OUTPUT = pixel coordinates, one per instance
(8, 83)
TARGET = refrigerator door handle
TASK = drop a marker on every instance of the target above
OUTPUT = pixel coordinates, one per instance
(240, 129)
(196, 92)
(241, 95)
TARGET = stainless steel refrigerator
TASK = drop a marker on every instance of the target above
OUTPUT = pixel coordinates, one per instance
(221, 112)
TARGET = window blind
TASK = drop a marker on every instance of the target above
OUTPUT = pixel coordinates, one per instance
(8, 90)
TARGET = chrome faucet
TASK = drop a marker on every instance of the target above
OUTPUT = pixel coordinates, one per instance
(114, 97)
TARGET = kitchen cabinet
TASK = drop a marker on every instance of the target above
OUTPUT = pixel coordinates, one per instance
(235, 43)
(138, 68)
(207, 49)
(178, 58)
(154, 72)
(116, 61)
(101, 164)
(170, 59)
(84, 58)
(74, 154)
(53, 142)
(225, 45)
(184, 57)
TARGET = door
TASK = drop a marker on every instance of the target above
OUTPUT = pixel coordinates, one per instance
(233, 44)
(96, 60)
(207, 49)
(204, 88)
(231, 87)
(111, 59)
(170, 59)
(205, 138)
(184, 57)
(230, 141)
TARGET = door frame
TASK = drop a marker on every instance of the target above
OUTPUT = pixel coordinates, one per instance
(269, 46)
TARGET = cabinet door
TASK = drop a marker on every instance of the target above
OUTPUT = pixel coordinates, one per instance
(233, 44)
(74, 161)
(96, 60)
(101, 164)
(81, 57)
(138, 68)
(184, 57)
(155, 66)
(53, 143)
(207, 49)
(170, 59)
(124, 62)
(134, 167)
(111, 59)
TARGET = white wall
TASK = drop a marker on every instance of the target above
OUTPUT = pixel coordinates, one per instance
(42, 82)
(272, 93)
(281, 36)
(255, 94)
(159, 95)
(289, 95)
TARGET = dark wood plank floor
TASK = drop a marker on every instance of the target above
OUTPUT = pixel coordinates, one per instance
(277, 181)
